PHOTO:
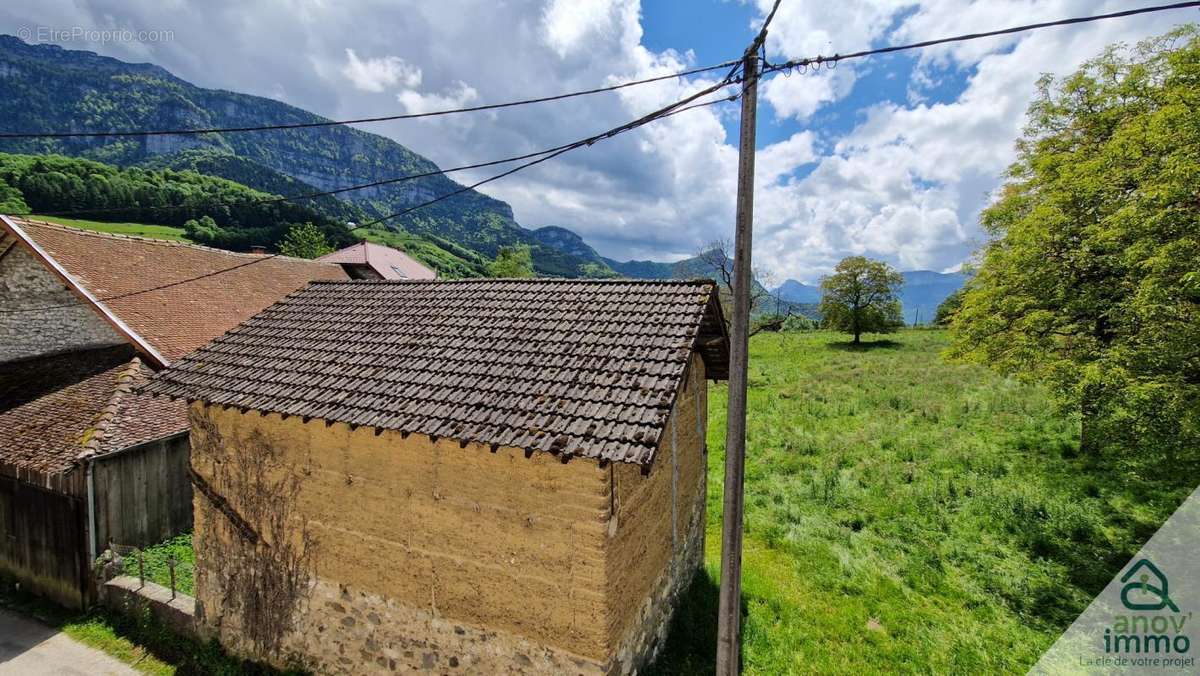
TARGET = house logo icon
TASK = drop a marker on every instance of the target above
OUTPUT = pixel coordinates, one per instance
(1147, 592)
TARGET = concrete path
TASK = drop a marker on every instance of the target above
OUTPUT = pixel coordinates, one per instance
(30, 648)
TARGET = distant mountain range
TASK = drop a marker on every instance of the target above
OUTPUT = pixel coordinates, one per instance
(923, 291)
(48, 88)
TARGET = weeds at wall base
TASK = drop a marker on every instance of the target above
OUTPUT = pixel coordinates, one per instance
(135, 639)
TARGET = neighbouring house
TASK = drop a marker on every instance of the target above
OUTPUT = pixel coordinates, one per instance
(85, 316)
(367, 260)
(480, 476)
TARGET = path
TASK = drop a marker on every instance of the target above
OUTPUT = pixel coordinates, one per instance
(30, 648)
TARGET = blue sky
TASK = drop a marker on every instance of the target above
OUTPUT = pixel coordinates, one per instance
(890, 157)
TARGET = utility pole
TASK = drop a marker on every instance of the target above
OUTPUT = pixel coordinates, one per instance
(730, 613)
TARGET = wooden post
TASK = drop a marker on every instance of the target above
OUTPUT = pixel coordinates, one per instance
(171, 568)
(729, 616)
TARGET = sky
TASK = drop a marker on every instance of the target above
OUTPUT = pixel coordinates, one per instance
(890, 157)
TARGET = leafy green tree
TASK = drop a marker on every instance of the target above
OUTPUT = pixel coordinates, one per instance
(860, 297)
(304, 240)
(203, 229)
(1091, 281)
(948, 308)
(11, 201)
(512, 262)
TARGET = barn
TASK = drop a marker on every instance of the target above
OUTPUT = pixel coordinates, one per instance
(476, 476)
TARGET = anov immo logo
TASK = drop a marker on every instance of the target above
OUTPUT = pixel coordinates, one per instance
(1155, 626)
(1141, 623)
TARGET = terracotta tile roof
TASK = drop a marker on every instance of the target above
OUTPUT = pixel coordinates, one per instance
(587, 368)
(225, 288)
(53, 409)
(389, 263)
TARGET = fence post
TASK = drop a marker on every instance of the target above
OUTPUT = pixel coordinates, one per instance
(171, 568)
(141, 566)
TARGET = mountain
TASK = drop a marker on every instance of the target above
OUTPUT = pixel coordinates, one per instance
(922, 292)
(48, 88)
(798, 292)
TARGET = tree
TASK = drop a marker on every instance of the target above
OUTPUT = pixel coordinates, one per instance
(11, 201)
(860, 297)
(1091, 281)
(948, 308)
(715, 259)
(513, 262)
(304, 240)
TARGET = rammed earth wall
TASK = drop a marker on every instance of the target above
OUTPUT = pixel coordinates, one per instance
(429, 555)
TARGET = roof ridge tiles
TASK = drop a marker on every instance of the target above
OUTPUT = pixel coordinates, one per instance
(696, 281)
(155, 240)
(95, 434)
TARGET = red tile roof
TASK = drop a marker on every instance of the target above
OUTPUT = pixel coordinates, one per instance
(198, 292)
(53, 409)
(577, 367)
(388, 262)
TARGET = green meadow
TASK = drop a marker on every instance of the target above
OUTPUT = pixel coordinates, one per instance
(139, 229)
(906, 514)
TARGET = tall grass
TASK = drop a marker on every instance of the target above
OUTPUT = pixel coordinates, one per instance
(907, 514)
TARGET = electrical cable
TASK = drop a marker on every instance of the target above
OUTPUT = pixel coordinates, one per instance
(817, 61)
(361, 120)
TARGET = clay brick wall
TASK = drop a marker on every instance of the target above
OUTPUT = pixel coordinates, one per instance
(67, 324)
(440, 557)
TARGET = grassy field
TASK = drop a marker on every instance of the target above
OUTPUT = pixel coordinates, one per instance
(140, 229)
(905, 514)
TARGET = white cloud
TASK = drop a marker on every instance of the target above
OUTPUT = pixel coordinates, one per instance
(376, 75)
(457, 96)
(905, 183)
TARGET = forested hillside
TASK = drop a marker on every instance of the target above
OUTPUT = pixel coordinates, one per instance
(213, 211)
(51, 89)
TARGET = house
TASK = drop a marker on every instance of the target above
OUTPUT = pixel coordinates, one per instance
(367, 260)
(84, 317)
(485, 476)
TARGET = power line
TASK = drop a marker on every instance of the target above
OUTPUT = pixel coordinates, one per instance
(667, 111)
(138, 292)
(362, 120)
(820, 60)
(337, 191)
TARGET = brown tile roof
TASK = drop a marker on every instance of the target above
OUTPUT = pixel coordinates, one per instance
(577, 367)
(388, 262)
(204, 293)
(53, 409)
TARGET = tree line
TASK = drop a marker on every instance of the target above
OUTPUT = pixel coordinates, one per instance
(213, 210)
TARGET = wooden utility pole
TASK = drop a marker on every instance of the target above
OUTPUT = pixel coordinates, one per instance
(729, 620)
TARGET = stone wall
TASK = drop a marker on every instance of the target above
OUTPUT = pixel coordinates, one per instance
(432, 555)
(129, 595)
(58, 321)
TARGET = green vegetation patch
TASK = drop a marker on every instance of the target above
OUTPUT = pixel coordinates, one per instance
(905, 514)
(138, 229)
(157, 563)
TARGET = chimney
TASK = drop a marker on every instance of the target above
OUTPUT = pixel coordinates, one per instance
(258, 249)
